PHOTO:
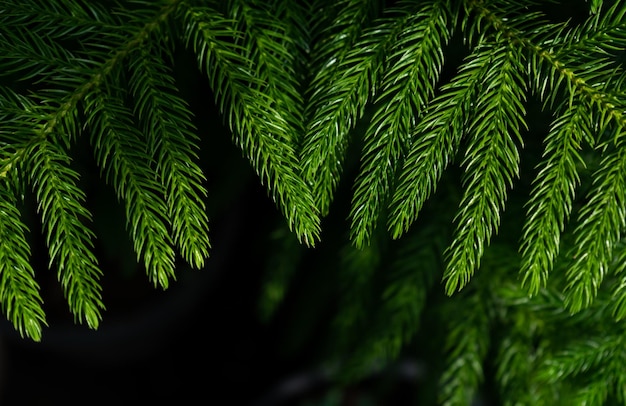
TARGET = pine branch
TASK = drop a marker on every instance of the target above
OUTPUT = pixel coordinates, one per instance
(19, 291)
(33, 57)
(550, 203)
(335, 32)
(596, 37)
(491, 162)
(412, 68)
(267, 43)
(261, 131)
(344, 61)
(298, 28)
(32, 146)
(61, 205)
(120, 153)
(172, 143)
(601, 220)
(436, 140)
(549, 71)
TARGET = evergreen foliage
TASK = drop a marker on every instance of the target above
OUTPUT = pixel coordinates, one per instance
(425, 112)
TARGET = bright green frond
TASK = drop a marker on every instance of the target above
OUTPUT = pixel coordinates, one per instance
(19, 291)
(70, 243)
(298, 28)
(601, 221)
(120, 151)
(560, 69)
(412, 68)
(406, 113)
(172, 144)
(267, 43)
(491, 161)
(336, 28)
(340, 91)
(237, 70)
(599, 36)
(551, 200)
(435, 141)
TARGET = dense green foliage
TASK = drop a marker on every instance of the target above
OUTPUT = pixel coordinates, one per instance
(430, 114)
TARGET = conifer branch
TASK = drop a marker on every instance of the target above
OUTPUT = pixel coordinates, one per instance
(551, 200)
(294, 81)
(258, 126)
(32, 148)
(19, 291)
(339, 90)
(602, 220)
(491, 161)
(64, 113)
(555, 71)
(435, 142)
(120, 152)
(61, 205)
(267, 43)
(172, 143)
(412, 68)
